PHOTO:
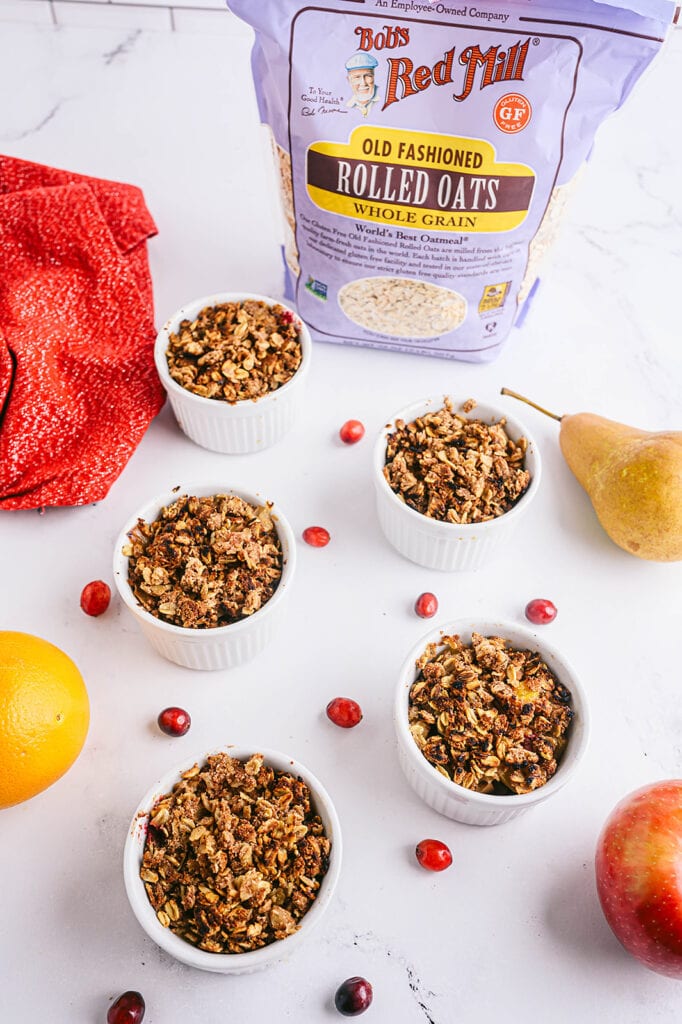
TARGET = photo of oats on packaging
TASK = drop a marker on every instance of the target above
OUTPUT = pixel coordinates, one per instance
(426, 150)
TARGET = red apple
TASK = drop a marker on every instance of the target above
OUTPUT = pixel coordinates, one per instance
(639, 875)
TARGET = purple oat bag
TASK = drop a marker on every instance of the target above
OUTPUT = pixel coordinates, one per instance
(426, 151)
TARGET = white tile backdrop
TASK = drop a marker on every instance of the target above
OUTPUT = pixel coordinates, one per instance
(163, 15)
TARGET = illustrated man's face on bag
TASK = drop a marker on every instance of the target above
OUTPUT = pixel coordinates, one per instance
(362, 84)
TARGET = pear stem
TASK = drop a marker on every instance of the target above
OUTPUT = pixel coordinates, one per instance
(521, 398)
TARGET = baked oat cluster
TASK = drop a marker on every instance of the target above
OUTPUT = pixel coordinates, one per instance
(489, 717)
(456, 469)
(235, 855)
(205, 562)
(235, 351)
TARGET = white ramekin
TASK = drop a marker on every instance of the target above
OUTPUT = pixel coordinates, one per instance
(455, 801)
(225, 646)
(448, 546)
(228, 963)
(247, 426)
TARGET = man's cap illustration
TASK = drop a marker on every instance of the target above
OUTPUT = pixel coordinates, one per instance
(361, 61)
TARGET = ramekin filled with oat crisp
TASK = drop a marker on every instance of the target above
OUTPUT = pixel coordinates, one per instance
(205, 570)
(234, 366)
(490, 720)
(452, 478)
(232, 858)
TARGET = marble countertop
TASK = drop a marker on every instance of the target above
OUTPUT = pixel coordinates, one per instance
(513, 930)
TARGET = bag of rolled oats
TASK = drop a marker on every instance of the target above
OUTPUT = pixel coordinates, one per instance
(426, 149)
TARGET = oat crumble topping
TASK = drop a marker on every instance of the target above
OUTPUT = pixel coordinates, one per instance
(455, 469)
(205, 562)
(235, 855)
(235, 351)
(488, 716)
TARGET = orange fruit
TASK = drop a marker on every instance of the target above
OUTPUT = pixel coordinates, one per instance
(44, 715)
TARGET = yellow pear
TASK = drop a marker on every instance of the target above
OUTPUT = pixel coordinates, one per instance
(633, 478)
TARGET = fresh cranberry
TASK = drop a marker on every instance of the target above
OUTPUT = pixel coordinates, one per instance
(353, 997)
(127, 1009)
(344, 712)
(433, 855)
(352, 431)
(316, 536)
(540, 611)
(95, 597)
(174, 721)
(426, 605)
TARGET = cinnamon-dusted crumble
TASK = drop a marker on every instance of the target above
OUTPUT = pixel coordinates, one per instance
(456, 469)
(235, 350)
(235, 855)
(205, 562)
(489, 717)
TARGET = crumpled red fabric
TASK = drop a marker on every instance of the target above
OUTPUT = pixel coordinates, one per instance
(78, 386)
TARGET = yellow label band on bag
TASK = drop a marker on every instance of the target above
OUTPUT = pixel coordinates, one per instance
(420, 180)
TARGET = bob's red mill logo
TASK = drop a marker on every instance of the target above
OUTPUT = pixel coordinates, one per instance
(496, 64)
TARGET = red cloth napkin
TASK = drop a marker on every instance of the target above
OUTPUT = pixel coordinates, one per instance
(78, 386)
